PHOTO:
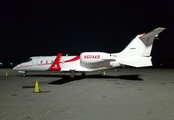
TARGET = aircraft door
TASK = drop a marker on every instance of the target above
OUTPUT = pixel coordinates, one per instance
(35, 61)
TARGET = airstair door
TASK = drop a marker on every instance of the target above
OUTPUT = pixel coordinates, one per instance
(35, 61)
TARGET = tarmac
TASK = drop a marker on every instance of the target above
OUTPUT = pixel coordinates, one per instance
(121, 94)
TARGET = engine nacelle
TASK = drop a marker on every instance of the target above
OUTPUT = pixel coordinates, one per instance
(92, 57)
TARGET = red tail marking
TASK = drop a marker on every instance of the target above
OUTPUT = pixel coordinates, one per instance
(141, 34)
(56, 63)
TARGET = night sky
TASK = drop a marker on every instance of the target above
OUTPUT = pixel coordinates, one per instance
(39, 28)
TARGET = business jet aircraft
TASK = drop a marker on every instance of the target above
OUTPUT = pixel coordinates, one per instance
(136, 54)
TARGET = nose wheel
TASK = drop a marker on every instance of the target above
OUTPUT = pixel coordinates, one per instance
(24, 74)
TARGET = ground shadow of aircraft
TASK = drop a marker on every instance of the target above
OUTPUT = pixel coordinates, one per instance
(66, 79)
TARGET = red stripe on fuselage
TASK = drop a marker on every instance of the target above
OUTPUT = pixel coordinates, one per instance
(56, 63)
(73, 59)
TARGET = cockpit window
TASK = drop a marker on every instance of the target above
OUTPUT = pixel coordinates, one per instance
(30, 59)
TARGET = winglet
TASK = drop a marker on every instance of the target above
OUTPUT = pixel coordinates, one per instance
(56, 64)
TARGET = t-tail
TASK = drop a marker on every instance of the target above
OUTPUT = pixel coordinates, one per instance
(137, 53)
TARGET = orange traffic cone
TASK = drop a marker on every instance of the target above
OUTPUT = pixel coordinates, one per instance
(36, 89)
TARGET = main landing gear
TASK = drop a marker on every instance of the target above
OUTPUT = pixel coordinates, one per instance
(83, 75)
(73, 74)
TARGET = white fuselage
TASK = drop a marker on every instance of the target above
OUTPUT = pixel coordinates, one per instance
(135, 54)
(87, 61)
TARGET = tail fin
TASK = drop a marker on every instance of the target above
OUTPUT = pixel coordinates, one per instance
(137, 53)
(141, 45)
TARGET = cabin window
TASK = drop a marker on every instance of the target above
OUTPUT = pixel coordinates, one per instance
(41, 61)
(46, 62)
(51, 61)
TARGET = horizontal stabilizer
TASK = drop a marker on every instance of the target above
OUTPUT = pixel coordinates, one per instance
(137, 62)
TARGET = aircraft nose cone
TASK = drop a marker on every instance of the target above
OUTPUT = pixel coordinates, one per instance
(16, 67)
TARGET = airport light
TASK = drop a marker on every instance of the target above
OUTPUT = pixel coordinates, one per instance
(11, 64)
